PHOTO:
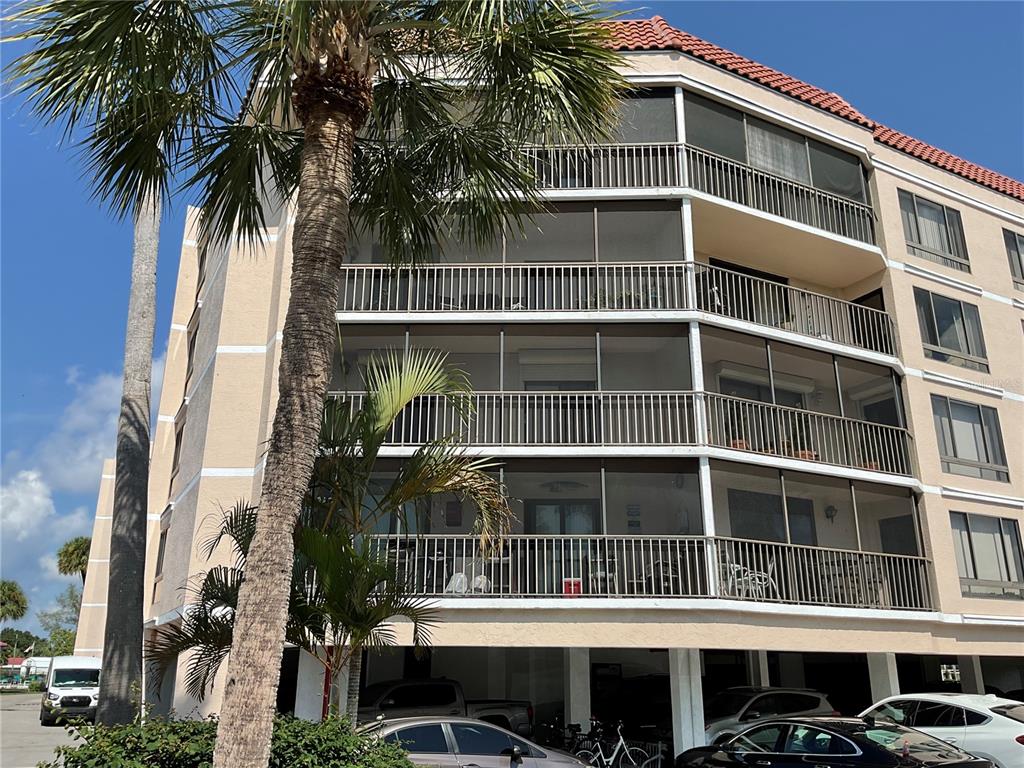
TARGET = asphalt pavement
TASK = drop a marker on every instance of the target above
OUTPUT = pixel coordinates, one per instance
(23, 741)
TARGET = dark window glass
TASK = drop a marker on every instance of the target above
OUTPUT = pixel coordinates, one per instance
(715, 127)
(899, 711)
(931, 714)
(950, 330)
(988, 551)
(970, 440)
(763, 739)
(1012, 711)
(472, 739)
(783, 704)
(803, 740)
(425, 739)
(933, 231)
(1015, 253)
(835, 171)
(975, 718)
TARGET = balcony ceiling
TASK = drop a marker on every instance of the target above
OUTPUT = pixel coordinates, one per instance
(744, 237)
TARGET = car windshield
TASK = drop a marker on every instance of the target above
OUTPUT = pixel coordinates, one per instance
(907, 742)
(68, 678)
(725, 704)
(1012, 711)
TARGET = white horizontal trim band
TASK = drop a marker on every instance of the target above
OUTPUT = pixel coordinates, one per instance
(94, 605)
(189, 242)
(241, 350)
(179, 327)
(99, 559)
(982, 498)
(107, 477)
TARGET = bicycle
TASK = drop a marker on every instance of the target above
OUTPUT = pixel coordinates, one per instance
(622, 755)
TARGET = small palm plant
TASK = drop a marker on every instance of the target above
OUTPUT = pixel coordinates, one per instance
(345, 592)
(73, 557)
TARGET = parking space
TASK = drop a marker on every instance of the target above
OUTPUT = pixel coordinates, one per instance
(23, 741)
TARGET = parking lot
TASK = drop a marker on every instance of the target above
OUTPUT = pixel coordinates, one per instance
(23, 742)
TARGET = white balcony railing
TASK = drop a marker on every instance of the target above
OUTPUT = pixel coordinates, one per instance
(764, 302)
(566, 567)
(549, 418)
(513, 287)
(626, 287)
(650, 419)
(607, 166)
(740, 183)
(750, 425)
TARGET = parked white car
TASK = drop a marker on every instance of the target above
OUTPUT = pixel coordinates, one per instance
(986, 726)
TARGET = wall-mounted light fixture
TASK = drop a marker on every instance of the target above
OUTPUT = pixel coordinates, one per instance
(830, 513)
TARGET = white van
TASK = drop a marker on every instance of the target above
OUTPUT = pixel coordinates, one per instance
(71, 689)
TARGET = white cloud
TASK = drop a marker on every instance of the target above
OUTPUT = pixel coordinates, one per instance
(71, 456)
(48, 567)
(26, 505)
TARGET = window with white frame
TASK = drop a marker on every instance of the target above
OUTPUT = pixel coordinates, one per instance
(970, 441)
(950, 330)
(1015, 253)
(934, 231)
(988, 555)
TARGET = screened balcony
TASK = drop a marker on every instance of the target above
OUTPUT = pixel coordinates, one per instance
(628, 528)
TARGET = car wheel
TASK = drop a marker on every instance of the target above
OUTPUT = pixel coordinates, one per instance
(46, 721)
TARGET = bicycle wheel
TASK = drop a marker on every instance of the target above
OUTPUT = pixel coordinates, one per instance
(632, 757)
(587, 757)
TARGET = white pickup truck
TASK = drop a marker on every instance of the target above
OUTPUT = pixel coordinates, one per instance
(438, 697)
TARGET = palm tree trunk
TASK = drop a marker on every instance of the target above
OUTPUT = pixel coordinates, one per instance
(319, 243)
(121, 680)
(355, 671)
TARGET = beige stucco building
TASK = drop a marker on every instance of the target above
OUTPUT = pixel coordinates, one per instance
(756, 382)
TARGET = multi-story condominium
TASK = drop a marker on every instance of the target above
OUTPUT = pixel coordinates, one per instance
(754, 379)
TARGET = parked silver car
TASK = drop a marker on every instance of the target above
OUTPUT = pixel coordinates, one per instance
(736, 709)
(462, 742)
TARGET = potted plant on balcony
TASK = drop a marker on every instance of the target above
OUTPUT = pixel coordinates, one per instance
(801, 446)
(736, 425)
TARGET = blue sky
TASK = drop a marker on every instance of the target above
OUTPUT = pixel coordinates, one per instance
(948, 73)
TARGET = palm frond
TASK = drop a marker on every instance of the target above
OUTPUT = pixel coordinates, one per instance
(393, 381)
(237, 523)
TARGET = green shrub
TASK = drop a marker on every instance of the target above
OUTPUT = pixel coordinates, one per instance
(35, 686)
(189, 744)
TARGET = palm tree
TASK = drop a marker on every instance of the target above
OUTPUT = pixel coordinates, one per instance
(138, 78)
(344, 592)
(73, 557)
(442, 95)
(13, 603)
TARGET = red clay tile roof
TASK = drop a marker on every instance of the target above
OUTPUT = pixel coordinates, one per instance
(656, 34)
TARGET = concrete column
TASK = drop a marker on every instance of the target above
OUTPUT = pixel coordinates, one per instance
(687, 699)
(791, 670)
(577, 687)
(971, 678)
(757, 668)
(309, 688)
(882, 673)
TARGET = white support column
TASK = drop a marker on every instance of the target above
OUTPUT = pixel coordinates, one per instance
(971, 678)
(681, 132)
(757, 668)
(309, 688)
(577, 687)
(687, 700)
(882, 673)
